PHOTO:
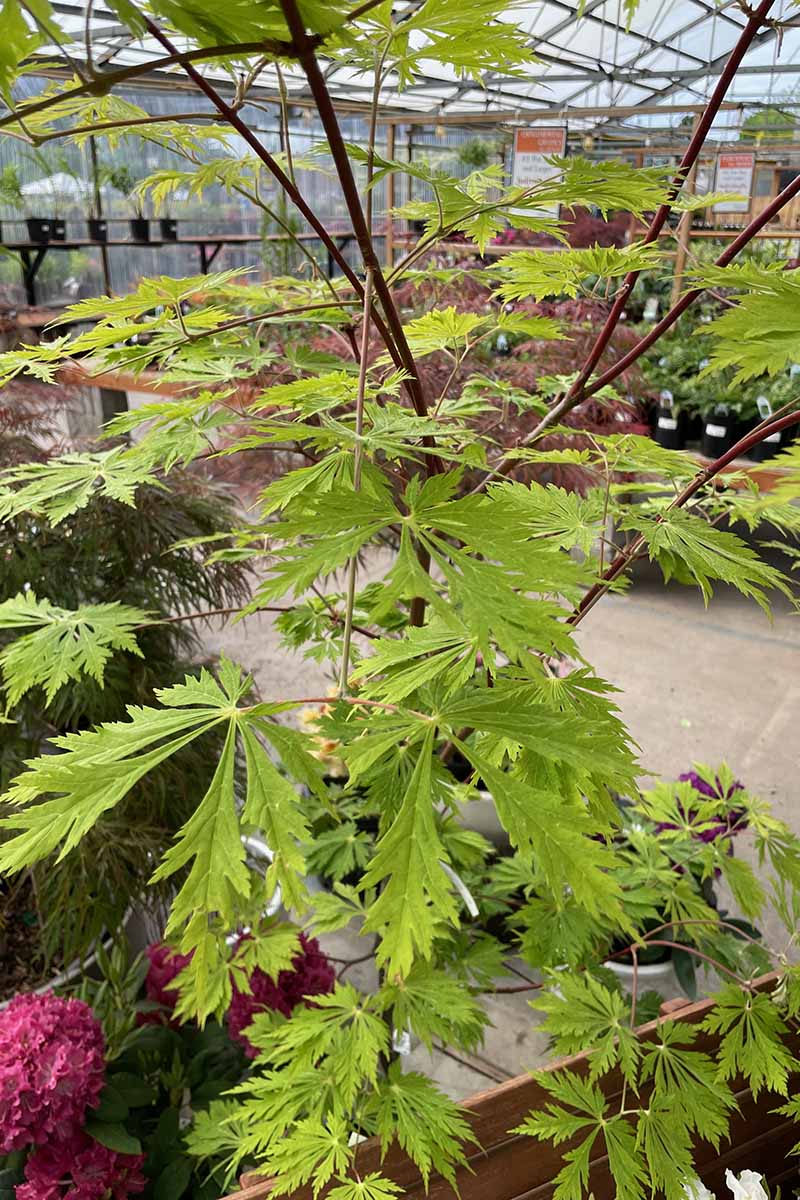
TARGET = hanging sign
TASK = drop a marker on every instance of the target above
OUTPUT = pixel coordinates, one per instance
(532, 148)
(735, 174)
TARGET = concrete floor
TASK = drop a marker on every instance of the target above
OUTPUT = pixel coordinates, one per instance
(708, 685)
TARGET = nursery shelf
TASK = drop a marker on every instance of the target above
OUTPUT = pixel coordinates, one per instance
(32, 254)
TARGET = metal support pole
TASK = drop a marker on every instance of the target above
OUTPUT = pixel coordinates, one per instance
(390, 200)
(29, 271)
(98, 207)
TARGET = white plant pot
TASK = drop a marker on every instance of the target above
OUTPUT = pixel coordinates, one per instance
(651, 977)
(480, 815)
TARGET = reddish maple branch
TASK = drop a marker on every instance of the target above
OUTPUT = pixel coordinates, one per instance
(244, 131)
(575, 393)
(319, 89)
(308, 60)
(669, 319)
(765, 430)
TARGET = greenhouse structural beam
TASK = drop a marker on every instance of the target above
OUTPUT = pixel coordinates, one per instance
(515, 116)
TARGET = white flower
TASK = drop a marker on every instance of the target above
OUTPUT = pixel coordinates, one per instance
(697, 1190)
(749, 1185)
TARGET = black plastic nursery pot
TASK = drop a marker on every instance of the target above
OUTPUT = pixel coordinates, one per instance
(168, 227)
(770, 446)
(140, 229)
(669, 429)
(98, 229)
(719, 433)
(39, 229)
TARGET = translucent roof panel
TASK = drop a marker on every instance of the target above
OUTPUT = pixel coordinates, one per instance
(670, 54)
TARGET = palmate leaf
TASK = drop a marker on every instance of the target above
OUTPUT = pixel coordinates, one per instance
(440, 651)
(511, 710)
(416, 897)
(443, 329)
(677, 1069)
(558, 835)
(523, 274)
(687, 548)
(435, 1004)
(761, 332)
(64, 644)
(314, 1150)
(566, 519)
(426, 1124)
(579, 1105)
(342, 1037)
(370, 1187)
(57, 488)
(58, 799)
(584, 1013)
(751, 1039)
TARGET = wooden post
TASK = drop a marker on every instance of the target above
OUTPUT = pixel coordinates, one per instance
(684, 231)
(390, 199)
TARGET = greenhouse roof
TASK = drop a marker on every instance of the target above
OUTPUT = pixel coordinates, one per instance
(669, 57)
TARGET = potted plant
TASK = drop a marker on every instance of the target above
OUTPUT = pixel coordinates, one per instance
(126, 182)
(408, 458)
(56, 913)
(669, 428)
(130, 1076)
(168, 228)
(14, 195)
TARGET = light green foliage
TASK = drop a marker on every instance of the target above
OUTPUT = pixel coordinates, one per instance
(429, 1127)
(686, 547)
(98, 768)
(463, 671)
(63, 644)
(416, 897)
(538, 273)
(761, 332)
(57, 488)
(751, 1029)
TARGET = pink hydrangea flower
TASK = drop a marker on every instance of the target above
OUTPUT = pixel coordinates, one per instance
(164, 966)
(78, 1168)
(52, 1068)
(312, 974)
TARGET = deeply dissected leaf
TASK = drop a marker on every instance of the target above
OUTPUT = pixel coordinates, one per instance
(63, 644)
(416, 896)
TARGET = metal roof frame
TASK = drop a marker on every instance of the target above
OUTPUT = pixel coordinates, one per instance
(666, 60)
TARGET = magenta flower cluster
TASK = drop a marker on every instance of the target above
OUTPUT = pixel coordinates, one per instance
(52, 1071)
(52, 1068)
(311, 975)
(78, 1168)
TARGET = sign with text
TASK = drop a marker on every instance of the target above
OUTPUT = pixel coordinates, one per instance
(735, 174)
(532, 148)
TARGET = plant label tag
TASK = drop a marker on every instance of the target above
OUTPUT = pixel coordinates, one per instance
(401, 1041)
(773, 437)
(718, 431)
(667, 423)
(764, 407)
